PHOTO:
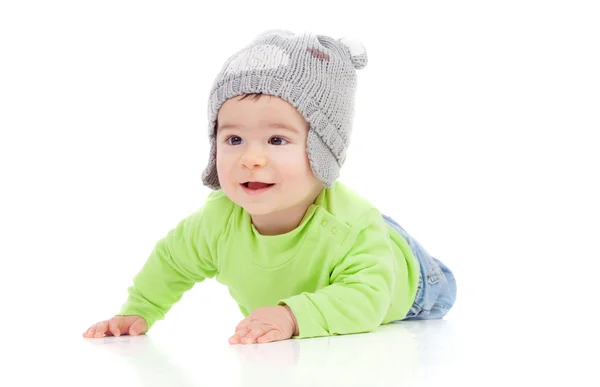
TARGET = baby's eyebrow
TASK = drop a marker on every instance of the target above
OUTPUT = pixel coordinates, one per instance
(277, 125)
(227, 126)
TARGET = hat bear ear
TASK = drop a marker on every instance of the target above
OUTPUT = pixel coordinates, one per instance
(358, 53)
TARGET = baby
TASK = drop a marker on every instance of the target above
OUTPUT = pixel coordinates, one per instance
(302, 254)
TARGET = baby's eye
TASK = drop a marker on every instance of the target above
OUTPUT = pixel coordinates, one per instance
(277, 141)
(234, 140)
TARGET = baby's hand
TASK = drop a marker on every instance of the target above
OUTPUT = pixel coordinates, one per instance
(118, 325)
(266, 324)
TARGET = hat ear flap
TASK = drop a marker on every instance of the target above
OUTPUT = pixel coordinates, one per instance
(358, 53)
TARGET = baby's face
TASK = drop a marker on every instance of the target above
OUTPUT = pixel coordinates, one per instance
(261, 155)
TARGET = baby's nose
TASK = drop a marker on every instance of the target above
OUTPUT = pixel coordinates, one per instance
(254, 160)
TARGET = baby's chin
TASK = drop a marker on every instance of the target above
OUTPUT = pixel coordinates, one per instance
(259, 209)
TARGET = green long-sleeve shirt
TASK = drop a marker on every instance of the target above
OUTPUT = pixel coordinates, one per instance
(342, 270)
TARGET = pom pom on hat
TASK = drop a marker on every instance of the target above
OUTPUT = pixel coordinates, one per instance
(358, 53)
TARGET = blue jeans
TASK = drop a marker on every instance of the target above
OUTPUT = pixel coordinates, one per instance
(436, 292)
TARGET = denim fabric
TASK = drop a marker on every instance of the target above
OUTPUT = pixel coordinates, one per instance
(436, 292)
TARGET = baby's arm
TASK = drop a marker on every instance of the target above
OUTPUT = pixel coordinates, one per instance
(177, 262)
(361, 288)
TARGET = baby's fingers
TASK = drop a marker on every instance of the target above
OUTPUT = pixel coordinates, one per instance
(138, 327)
(272, 335)
(237, 337)
(244, 323)
(90, 331)
(113, 327)
(101, 329)
(254, 334)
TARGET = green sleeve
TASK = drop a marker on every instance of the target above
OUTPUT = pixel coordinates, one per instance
(177, 262)
(360, 290)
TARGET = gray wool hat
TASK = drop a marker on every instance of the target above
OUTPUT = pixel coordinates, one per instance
(314, 73)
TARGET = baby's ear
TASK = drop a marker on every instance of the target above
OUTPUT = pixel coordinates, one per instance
(358, 53)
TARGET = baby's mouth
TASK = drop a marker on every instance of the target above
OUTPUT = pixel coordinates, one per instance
(256, 185)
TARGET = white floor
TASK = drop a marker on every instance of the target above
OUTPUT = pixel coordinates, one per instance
(425, 353)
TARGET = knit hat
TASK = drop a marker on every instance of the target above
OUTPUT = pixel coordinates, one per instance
(314, 73)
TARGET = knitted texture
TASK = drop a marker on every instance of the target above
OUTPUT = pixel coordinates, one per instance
(314, 73)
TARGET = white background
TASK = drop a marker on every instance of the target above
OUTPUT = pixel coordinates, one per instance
(476, 128)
